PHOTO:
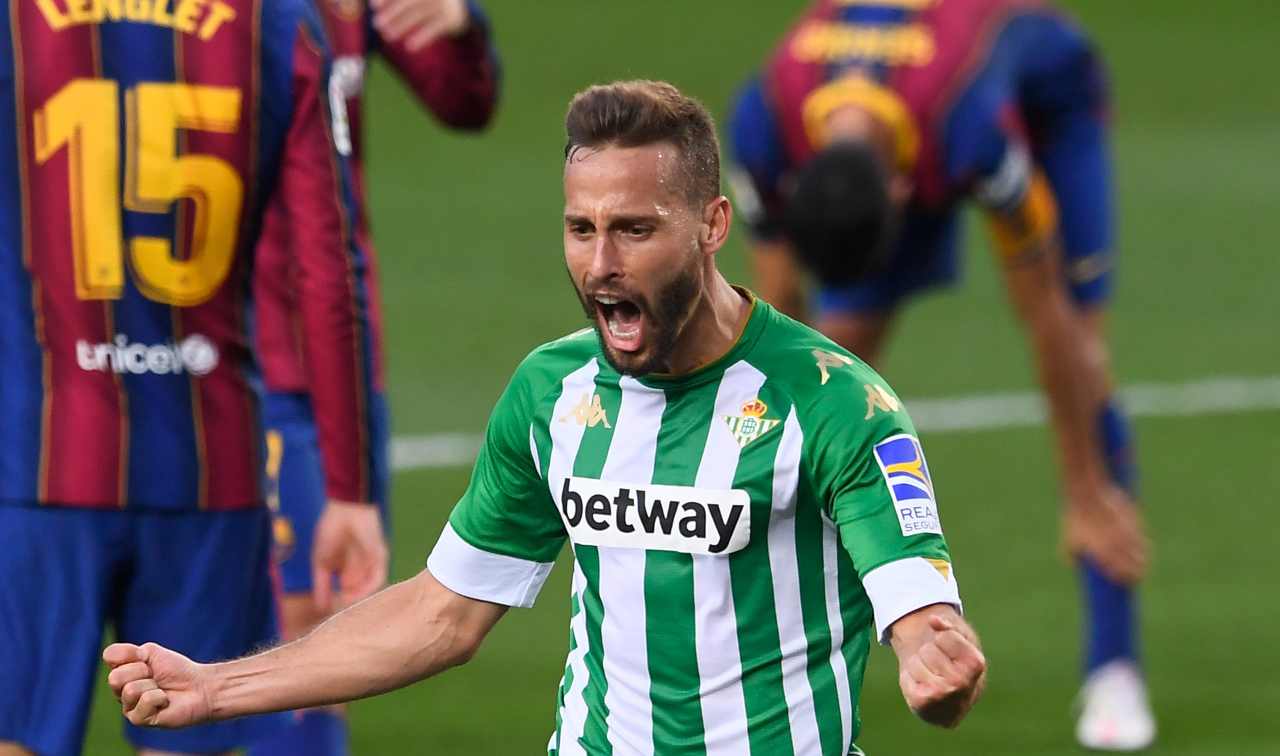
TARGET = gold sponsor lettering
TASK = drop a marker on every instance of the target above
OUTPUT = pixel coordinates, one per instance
(109, 10)
(201, 17)
(78, 11)
(218, 14)
(184, 16)
(52, 16)
(880, 399)
(827, 42)
(908, 4)
(829, 360)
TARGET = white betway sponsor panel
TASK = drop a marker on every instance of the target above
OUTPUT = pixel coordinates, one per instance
(978, 412)
(624, 627)
(689, 519)
(195, 354)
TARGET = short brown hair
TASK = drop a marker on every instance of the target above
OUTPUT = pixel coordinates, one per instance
(641, 112)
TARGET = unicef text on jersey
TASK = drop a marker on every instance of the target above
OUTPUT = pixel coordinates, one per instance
(195, 354)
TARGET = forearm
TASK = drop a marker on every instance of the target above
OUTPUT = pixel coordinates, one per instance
(1075, 387)
(1071, 373)
(390, 640)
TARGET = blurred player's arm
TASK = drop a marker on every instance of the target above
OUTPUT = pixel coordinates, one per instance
(405, 633)
(315, 188)
(1022, 217)
(941, 669)
(776, 274)
(442, 49)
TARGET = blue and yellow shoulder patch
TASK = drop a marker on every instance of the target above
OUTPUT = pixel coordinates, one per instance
(901, 461)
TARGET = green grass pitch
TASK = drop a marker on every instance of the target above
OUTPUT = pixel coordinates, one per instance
(468, 230)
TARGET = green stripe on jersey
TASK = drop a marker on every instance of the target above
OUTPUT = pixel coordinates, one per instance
(716, 607)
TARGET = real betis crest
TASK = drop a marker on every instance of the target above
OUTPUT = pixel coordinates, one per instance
(752, 423)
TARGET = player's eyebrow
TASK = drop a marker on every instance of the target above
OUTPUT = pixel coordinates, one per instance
(616, 221)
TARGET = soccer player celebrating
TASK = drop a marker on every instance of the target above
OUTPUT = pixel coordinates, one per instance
(857, 145)
(154, 133)
(441, 49)
(747, 503)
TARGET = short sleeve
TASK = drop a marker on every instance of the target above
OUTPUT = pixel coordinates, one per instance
(504, 534)
(870, 471)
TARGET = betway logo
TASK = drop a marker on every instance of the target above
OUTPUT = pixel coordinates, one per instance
(644, 516)
(195, 354)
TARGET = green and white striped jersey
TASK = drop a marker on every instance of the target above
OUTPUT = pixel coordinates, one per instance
(737, 534)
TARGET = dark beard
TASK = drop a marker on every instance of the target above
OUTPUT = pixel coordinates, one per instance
(666, 321)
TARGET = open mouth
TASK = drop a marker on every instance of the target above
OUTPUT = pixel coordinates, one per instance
(621, 322)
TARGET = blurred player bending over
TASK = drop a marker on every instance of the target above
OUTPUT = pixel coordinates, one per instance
(871, 123)
(140, 145)
(441, 49)
(740, 533)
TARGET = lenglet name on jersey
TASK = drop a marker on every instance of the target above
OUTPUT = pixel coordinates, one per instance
(647, 516)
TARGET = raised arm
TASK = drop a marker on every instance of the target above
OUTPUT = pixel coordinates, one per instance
(941, 669)
(405, 633)
(443, 51)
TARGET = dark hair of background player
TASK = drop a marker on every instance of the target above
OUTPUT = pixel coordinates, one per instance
(839, 217)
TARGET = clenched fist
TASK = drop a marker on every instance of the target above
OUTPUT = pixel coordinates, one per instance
(158, 687)
(945, 675)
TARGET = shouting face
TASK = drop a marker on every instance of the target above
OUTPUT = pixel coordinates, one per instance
(631, 244)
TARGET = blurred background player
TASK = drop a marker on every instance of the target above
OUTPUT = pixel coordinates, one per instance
(141, 144)
(856, 145)
(442, 51)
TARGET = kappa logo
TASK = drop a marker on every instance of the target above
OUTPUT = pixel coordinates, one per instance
(648, 516)
(752, 423)
(906, 474)
(879, 398)
(588, 411)
(827, 360)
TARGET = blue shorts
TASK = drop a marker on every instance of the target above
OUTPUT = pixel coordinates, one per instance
(295, 484)
(196, 582)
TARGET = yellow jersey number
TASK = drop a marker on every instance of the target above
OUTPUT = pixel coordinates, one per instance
(83, 116)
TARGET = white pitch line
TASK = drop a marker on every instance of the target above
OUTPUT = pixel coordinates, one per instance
(973, 412)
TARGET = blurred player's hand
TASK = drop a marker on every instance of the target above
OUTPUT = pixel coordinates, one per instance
(156, 686)
(419, 22)
(351, 546)
(946, 674)
(1107, 528)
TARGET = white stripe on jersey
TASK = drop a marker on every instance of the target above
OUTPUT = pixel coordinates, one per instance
(566, 437)
(573, 718)
(724, 711)
(623, 631)
(835, 622)
(796, 688)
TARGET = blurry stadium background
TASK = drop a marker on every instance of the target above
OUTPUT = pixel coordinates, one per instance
(469, 235)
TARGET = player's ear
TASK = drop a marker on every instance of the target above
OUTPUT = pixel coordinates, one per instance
(717, 216)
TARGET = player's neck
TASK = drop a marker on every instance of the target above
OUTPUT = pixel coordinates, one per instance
(714, 327)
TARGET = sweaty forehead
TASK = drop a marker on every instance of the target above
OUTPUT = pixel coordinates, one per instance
(621, 178)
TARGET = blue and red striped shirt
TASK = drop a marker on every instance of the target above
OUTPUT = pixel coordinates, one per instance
(146, 137)
(456, 78)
